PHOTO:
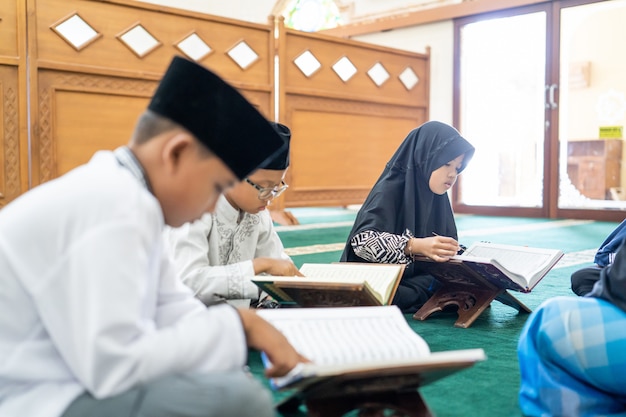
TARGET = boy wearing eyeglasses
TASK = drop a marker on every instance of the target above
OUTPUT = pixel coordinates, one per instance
(218, 254)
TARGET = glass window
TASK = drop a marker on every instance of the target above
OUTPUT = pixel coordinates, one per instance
(311, 15)
(501, 108)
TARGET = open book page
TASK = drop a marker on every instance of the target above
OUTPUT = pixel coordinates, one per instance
(380, 278)
(356, 336)
(341, 340)
(529, 264)
(423, 370)
(333, 336)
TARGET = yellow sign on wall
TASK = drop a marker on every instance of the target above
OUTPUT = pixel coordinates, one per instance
(611, 132)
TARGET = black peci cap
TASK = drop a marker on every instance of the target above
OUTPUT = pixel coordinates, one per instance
(217, 115)
(280, 160)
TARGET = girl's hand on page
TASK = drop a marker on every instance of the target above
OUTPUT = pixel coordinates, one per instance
(438, 248)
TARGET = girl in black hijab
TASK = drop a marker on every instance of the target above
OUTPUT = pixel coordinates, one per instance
(408, 211)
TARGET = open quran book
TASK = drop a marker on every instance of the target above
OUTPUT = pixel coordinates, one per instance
(366, 350)
(335, 285)
(483, 273)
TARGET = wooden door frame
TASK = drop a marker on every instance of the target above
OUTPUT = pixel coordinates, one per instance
(550, 193)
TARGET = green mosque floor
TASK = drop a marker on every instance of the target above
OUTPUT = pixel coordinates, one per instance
(489, 388)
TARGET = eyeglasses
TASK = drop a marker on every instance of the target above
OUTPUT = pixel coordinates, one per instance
(268, 193)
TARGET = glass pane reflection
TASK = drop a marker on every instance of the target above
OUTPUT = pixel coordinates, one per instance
(502, 109)
(592, 107)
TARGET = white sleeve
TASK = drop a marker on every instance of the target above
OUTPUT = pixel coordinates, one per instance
(189, 249)
(269, 244)
(118, 319)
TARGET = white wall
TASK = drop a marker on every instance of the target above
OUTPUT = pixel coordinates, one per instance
(589, 42)
(363, 8)
(256, 11)
(440, 37)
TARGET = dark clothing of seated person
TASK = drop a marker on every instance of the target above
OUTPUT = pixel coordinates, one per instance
(584, 279)
(408, 211)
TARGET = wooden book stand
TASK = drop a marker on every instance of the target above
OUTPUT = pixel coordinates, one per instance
(470, 301)
(371, 392)
(403, 404)
(332, 294)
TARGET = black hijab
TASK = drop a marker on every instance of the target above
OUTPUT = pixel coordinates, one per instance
(401, 198)
(612, 284)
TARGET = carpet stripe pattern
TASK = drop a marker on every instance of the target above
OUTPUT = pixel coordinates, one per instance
(573, 258)
(490, 388)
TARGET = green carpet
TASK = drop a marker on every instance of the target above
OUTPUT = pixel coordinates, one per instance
(489, 388)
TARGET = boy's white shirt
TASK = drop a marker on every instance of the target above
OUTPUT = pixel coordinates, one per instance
(90, 302)
(213, 255)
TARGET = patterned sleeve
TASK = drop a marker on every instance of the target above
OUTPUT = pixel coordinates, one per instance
(381, 247)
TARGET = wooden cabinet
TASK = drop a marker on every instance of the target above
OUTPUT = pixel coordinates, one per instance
(594, 166)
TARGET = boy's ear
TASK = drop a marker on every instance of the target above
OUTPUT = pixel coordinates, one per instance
(175, 148)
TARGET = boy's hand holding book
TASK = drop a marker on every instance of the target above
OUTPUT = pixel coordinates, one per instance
(261, 335)
(361, 343)
(275, 267)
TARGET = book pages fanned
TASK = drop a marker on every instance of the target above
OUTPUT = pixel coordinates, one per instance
(339, 284)
(379, 277)
(521, 261)
(483, 273)
(339, 340)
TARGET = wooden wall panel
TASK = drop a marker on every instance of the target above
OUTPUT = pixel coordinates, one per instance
(339, 148)
(82, 113)
(109, 55)
(13, 137)
(9, 133)
(325, 82)
(9, 29)
(89, 97)
(344, 131)
(81, 99)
